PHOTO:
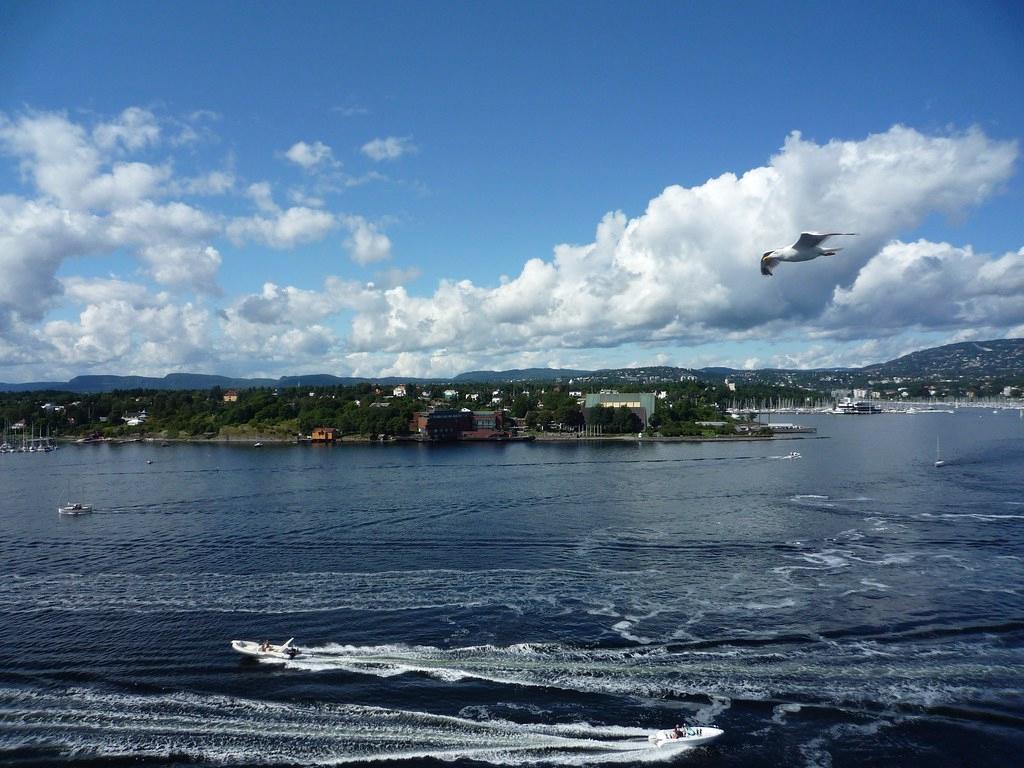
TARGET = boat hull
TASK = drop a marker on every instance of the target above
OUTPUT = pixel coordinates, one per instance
(257, 651)
(695, 737)
(74, 509)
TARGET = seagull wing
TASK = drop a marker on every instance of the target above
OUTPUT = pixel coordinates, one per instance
(811, 239)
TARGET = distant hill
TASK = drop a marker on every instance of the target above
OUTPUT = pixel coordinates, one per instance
(519, 374)
(1000, 358)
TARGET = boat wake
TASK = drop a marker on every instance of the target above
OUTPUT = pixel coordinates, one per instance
(224, 729)
(705, 679)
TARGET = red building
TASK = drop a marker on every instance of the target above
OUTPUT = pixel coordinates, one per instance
(460, 425)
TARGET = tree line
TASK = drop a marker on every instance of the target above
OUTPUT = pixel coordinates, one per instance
(361, 409)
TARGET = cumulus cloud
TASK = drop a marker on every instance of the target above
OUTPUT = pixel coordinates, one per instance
(311, 156)
(151, 330)
(389, 148)
(682, 272)
(394, 277)
(685, 271)
(182, 265)
(928, 285)
(103, 290)
(366, 243)
(93, 199)
(277, 305)
(134, 129)
(212, 183)
(77, 169)
(285, 228)
(53, 152)
(35, 239)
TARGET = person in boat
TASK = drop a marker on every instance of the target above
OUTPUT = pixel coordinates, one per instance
(678, 732)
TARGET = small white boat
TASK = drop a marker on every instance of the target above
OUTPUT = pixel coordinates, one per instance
(257, 445)
(792, 455)
(690, 735)
(74, 509)
(266, 650)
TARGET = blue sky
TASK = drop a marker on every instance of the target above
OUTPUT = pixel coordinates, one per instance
(424, 188)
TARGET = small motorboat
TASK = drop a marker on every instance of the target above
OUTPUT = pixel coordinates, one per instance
(74, 509)
(685, 735)
(792, 455)
(266, 650)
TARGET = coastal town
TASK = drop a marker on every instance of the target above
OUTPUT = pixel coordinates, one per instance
(688, 409)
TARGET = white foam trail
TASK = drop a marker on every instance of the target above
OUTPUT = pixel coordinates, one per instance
(856, 670)
(226, 729)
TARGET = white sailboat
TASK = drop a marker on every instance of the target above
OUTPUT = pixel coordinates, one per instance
(938, 454)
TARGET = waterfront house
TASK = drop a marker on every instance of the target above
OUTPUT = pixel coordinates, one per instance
(324, 435)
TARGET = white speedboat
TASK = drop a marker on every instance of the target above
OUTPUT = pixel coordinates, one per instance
(792, 455)
(690, 735)
(266, 650)
(74, 509)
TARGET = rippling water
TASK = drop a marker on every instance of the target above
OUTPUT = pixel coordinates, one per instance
(522, 604)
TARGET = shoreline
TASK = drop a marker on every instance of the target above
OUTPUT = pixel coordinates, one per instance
(566, 439)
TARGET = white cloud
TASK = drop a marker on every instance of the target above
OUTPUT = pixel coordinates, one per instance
(685, 271)
(67, 164)
(103, 290)
(148, 222)
(55, 153)
(134, 129)
(929, 285)
(389, 148)
(311, 156)
(149, 334)
(276, 305)
(286, 229)
(212, 183)
(193, 266)
(366, 243)
(392, 278)
(260, 193)
(35, 239)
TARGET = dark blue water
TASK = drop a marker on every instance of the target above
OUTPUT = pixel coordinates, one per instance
(522, 604)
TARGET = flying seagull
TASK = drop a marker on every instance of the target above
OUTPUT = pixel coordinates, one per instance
(807, 247)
